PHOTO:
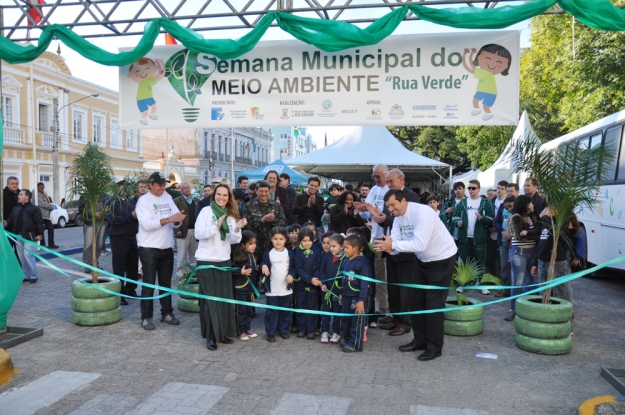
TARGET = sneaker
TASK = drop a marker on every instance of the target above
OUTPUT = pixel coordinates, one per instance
(251, 334)
(373, 325)
(364, 337)
(350, 349)
(325, 337)
(475, 112)
(170, 319)
(147, 324)
(154, 116)
(33, 280)
(243, 336)
(487, 117)
(485, 291)
(510, 316)
(143, 121)
(335, 338)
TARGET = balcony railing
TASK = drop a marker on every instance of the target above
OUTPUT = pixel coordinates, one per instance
(13, 135)
(244, 160)
(47, 139)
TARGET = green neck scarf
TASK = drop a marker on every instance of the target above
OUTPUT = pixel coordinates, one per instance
(219, 212)
(306, 251)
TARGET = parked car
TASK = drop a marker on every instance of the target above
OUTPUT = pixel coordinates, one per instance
(72, 210)
(58, 216)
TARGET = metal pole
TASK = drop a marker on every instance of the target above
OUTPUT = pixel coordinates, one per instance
(35, 179)
(1, 126)
(55, 151)
(232, 155)
(450, 183)
(166, 153)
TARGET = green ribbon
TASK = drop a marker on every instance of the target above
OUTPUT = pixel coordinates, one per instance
(306, 251)
(327, 35)
(549, 284)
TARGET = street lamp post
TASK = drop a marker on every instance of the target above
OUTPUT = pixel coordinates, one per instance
(55, 143)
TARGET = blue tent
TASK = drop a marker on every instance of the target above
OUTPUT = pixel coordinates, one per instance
(297, 178)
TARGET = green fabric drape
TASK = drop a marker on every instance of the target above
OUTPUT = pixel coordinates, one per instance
(327, 35)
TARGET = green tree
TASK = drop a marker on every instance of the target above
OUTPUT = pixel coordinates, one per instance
(483, 145)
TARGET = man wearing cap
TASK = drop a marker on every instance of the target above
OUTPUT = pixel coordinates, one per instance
(262, 215)
(158, 216)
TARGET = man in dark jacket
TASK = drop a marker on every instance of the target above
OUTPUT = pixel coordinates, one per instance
(9, 199)
(25, 220)
(285, 181)
(398, 267)
(309, 206)
(123, 227)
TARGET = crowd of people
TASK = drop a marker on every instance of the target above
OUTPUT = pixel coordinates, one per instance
(309, 253)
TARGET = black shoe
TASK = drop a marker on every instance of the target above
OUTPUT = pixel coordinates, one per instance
(428, 355)
(87, 271)
(170, 319)
(301, 334)
(271, 339)
(341, 344)
(33, 280)
(350, 349)
(386, 320)
(411, 347)
(286, 336)
(211, 345)
(226, 340)
(123, 301)
(294, 330)
(311, 336)
(387, 326)
(53, 246)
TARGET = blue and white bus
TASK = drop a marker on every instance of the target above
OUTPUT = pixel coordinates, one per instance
(603, 227)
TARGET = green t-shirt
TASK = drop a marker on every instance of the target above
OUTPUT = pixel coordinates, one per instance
(487, 81)
(145, 88)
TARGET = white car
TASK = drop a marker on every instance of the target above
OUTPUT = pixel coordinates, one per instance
(58, 216)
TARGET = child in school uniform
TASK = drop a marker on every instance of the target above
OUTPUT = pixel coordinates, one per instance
(354, 294)
(434, 203)
(243, 279)
(313, 228)
(307, 261)
(365, 233)
(278, 268)
(331, 278)
(325, 241)
(293, 231)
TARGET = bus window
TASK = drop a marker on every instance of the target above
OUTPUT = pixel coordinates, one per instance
(583, 142)
(620, 174)
(612, 141)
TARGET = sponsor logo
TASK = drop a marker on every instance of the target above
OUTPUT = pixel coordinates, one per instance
(376, 111)
(217, 113)
(299, 114)
(326, 104)
(349, 111)
(396, 112)
(423, 107)
(238, 114)
(449, 107)
(256, 113)
(327, 109)
(450, 115)
(285, 114)
(376, 114)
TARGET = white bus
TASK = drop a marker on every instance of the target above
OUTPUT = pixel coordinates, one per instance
(603, 227)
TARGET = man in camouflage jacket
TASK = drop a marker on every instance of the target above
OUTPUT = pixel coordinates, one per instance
(262, 215)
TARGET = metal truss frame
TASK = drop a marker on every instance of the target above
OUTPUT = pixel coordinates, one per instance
(105, 18)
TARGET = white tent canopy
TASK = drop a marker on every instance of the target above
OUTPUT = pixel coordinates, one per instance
(353, 156)
(503, 169)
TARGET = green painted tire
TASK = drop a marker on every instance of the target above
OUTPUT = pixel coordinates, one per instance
(467, 314)
(530, 308)
(95, 305)
(463, 328)
(544, 346)
(539, 330)
(191, 288)
(97, 319)
(80, 290)
(190, 306)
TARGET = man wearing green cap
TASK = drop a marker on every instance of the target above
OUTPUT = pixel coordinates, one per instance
(262, 215)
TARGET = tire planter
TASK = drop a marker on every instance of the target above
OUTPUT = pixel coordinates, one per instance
(186, 302)
(543, 328)
(465, 322)
(92, 307)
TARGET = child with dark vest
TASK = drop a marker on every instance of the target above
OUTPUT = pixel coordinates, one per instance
(307, 262)
(243, 279)
(354, 298)
(278, 268)
(330, 276)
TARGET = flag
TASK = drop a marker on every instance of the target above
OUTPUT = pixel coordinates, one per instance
(254, 144)
(169, 40)
(296, 131)
(326, 144)
(35, 12)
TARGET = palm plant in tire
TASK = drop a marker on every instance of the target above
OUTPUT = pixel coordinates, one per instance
(187, 72)
(469, 273)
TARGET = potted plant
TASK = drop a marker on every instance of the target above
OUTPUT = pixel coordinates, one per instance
(467, 321)
(569, 176)
(94, 178)
(188, 282)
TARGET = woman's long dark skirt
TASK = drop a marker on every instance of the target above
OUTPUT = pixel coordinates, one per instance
(217, 319)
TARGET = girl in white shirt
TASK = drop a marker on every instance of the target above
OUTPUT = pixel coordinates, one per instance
(217, 227)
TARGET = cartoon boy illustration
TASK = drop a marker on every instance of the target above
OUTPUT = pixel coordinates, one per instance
(491, 60)
(146, 72)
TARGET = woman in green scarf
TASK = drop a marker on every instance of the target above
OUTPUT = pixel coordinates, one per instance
(217, 227)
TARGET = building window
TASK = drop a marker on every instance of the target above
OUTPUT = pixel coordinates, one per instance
(78, 126)
(45, 117)
(44, 179)
(131, 140)
(98, 123)
(115, 134)
(7, 111)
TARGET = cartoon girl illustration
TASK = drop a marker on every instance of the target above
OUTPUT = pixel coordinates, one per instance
(491, 60)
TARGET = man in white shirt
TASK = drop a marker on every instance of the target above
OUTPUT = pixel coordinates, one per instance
(158, 215)
(375, 199)
(417, 228)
